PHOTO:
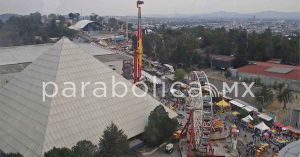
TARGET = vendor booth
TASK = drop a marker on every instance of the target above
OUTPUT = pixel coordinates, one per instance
(262, 127)
(247, 119)
(236, 104)
(265, 118)
(223, 105)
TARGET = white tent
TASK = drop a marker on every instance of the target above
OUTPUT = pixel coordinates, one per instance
(247, 119)
(250, 108)
(265, 117)
(262, 127)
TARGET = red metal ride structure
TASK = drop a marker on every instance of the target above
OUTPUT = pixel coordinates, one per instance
(195, 135)
(138, 52)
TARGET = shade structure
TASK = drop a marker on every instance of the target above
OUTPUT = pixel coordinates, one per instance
(291, 150)
(278, 124)
(235, 113)
(247, 119)
(31, 126)
(262, 127)
(223, 104)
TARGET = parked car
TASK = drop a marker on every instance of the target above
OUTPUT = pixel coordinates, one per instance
(169, 148)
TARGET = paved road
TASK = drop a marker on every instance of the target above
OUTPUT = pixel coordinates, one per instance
(161, 153)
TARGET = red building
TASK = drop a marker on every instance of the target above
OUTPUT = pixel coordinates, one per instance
(272, 73)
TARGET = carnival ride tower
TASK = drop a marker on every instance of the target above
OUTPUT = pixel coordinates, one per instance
(195, 135)
(138, 52)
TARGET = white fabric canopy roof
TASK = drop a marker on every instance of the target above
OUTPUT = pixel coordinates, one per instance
(262, 127)
(247, 119)
(236, 103)
(250, 108)
(265, 117)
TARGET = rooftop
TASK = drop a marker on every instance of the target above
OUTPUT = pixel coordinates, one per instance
(31, 126)
(223, 57)
(272, 70)
(28, 53)
(80, 24)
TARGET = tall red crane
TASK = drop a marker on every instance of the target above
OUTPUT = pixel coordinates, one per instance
(138, 52)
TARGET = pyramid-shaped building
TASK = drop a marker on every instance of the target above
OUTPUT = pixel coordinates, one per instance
(31, 126)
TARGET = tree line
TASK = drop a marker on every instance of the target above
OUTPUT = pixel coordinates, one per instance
(191, 46)
(29, 29)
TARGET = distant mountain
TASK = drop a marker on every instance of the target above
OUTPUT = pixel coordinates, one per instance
(262, 15)
(5, 17)
(226, 14)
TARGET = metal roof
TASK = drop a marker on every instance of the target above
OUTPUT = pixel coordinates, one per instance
(265, 117)
(31, 126)
(250, 108)
(236, 103)
(280, 70)
(25, 54)
(260, 69)
(21, 54)
(81, 24)
(112, 57)
(291, 150)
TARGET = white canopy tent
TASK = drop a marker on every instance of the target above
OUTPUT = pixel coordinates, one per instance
(247, 119)
(237, 103)
(250, 109)
(265, 117)
(262, 127)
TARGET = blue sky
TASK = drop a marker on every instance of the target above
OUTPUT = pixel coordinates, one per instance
(127, 7)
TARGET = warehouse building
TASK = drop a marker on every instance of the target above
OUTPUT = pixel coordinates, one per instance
(31, 126)
(272, 74)
(17, 58)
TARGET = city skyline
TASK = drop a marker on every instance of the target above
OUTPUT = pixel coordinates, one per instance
(153, 7)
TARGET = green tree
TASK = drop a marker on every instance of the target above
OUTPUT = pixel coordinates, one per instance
(280, 87)
(1, 24)
(227, 74)
(285, 97)
(113, 23)
(113, 142)
(84, 149)
(93, 17)
(263, 97)
(61, 18)
(179, 74)
(160, 127)
(52, 16)
(77, 16)
(71, 15)
(14, 155)
(243, 113)
(59, 152)
(100, 19)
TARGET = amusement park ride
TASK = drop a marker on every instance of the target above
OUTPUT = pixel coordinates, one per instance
(195, 135)
(138, 52)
